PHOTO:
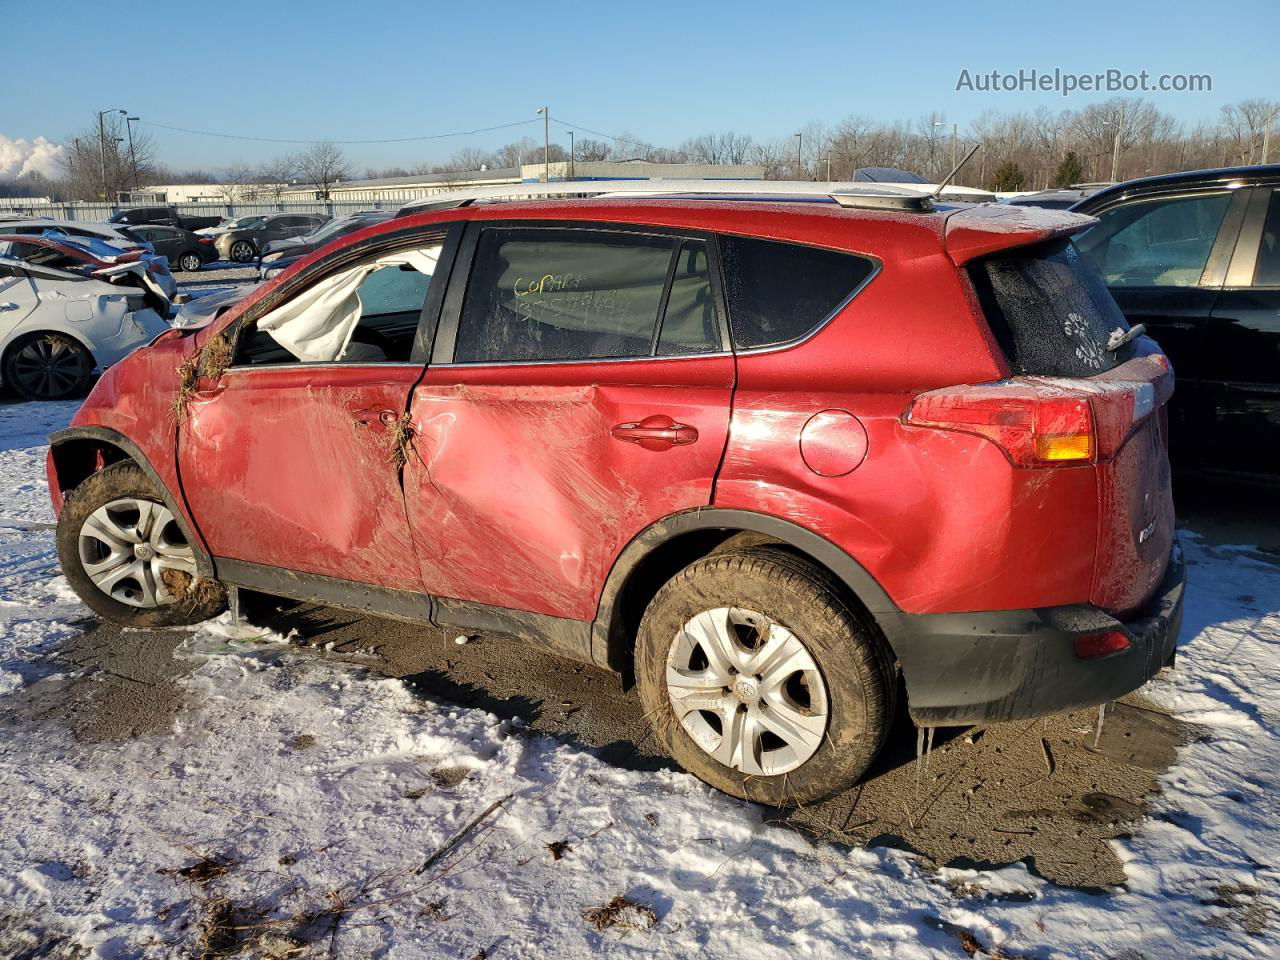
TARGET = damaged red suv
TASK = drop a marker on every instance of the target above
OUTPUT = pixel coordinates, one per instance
(774, 460)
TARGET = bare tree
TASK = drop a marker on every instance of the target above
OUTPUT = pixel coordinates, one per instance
(237, 184)
(322, 165)
(589, 150)
(273, 177)
(1244, 125)
(98, 164)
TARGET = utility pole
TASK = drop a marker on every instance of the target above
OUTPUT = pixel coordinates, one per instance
(133, 157)
(955, 138)
(799, 141)
(571, 170)
(1266, 135)
(546, 143)
(1115, 152)
(828, 158)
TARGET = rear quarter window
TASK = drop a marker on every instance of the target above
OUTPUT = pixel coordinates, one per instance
(780, 292)
(1050, 311)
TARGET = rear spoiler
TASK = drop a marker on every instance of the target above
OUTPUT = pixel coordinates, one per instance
(973, 232)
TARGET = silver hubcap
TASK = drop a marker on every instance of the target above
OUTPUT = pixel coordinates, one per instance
(242, 251)
(747, 691)
(125, 547)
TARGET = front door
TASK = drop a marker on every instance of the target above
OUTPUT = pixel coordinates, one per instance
(1242, 365)
(289, 459)
(579, 390)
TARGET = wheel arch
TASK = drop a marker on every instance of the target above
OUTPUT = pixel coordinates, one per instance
(660, 550)
(78, 452)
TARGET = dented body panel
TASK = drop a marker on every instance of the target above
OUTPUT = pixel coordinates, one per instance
(523, 498)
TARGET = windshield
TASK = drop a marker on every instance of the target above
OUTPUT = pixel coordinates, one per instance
(329, 229)
(241, 223)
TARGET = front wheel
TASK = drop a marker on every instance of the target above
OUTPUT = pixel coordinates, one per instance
(762, 680)
(124, 553)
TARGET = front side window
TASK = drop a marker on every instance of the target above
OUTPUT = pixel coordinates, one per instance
(779, 292)
(1155, 243)
(548, 294)
(363, 314)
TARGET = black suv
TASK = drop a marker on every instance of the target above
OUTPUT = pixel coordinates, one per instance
(1196, 258)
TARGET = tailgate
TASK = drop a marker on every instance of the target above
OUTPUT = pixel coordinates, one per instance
(1135, 497)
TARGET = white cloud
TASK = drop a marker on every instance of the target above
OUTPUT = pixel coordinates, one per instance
(38, 155)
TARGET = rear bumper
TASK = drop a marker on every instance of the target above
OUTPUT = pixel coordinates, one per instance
(977, 668)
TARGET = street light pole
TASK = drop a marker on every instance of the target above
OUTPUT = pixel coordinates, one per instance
(799, 142)
(546, 143)
(955, 137)
(1266, 135)
(571, 170)
(133, 157)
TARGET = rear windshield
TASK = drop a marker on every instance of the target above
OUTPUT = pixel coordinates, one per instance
(1050, 311)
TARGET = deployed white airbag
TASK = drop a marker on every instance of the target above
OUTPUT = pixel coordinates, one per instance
(316, 325)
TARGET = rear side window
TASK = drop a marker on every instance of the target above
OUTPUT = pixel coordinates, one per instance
(1050, 311)
(779, 292)
(549, 294)
(1267, 272)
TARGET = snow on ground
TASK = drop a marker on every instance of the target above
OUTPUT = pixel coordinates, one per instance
(302, 798)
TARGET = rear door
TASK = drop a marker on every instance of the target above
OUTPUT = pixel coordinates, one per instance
(1241, 377)
(579, 390)
(1164, 260)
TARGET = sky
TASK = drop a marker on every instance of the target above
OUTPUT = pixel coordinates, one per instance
(664, 71)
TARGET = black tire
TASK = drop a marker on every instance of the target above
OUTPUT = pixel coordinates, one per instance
(243, 251)
(201, 599)
(190, 262)
(847, 647)
(48, 366)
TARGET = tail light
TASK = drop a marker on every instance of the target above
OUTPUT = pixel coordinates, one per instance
(1090, 646)
(208, 240)
(1034, 428)
(1049, 422)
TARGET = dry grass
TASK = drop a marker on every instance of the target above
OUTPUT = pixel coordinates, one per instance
(398, 440)
(621, 912)
(210, 363)
(193, 591)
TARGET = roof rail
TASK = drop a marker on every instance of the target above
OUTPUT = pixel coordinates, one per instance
(852, 195)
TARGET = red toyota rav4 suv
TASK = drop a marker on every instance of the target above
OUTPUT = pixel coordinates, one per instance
(772, 459)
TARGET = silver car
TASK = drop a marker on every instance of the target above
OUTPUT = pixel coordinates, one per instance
(59, 328)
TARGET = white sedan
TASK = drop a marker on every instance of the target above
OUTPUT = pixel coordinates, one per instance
(59, 328)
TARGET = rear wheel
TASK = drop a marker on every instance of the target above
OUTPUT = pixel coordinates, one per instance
(125, 554)
(48, 366)
(242, 251)
(190, 262)
(759, 678)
